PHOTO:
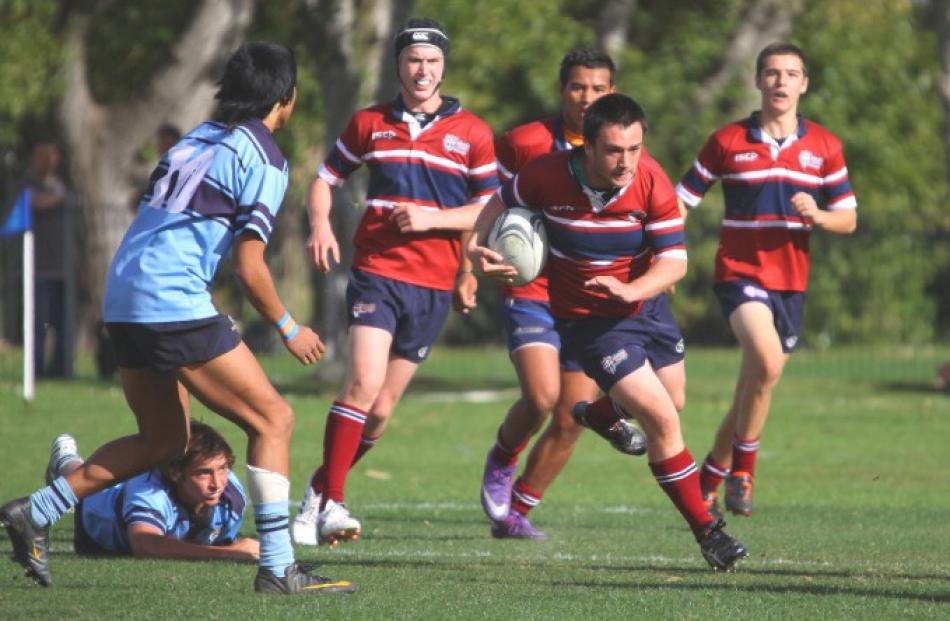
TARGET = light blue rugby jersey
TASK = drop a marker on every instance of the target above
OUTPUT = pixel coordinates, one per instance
(148, 499)
(213, 185)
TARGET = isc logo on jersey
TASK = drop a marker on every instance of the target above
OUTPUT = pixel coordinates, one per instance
(518, 235)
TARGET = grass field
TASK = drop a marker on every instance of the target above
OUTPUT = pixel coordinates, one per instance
(851, 522)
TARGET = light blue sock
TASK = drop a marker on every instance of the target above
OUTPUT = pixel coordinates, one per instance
(272, 520)
(52, 502)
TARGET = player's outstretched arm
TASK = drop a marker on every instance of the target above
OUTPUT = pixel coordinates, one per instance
(466, 285)
(321, 244)
(251, 271)
(148, 541)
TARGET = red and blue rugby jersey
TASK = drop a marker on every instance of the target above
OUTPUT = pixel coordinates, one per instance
(590, 238)
(445, 164)
(514, 149)
(763, 238)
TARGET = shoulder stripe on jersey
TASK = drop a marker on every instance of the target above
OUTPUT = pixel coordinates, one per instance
(504, 172)
(483, 170)
(328, 175)
(253, 140)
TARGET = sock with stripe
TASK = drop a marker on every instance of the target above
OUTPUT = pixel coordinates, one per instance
(318, 482)
(711, 475)
(501, 454)
(49, 504)
(744, 452)
(269, 493)
(678, 477)
(523, 497)
(341, 442)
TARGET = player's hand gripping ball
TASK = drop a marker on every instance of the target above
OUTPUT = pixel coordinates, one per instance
(518, 235)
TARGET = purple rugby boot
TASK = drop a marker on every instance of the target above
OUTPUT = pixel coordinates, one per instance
(496, 488)
(516, 526)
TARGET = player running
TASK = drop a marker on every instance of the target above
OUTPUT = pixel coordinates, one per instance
(219, 188)
(586, 74)
(617, 242)
(431, 168)
(782, 175)
(190, 508)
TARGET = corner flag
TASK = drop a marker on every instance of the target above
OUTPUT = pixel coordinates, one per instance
(20, 218)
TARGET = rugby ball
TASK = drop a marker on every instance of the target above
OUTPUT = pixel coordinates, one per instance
(518, 235)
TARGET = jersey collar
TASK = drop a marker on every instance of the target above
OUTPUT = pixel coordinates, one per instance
(754, 133)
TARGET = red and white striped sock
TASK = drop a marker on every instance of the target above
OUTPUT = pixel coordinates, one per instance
(679, 478)
(341, 441)
(711, 475)
(523, 498)
(744, 452)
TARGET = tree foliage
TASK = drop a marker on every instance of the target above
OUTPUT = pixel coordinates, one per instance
(874, 73)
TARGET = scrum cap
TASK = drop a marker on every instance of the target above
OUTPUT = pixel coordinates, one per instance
(421, 32)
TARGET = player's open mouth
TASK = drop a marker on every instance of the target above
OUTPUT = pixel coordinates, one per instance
(423, 83)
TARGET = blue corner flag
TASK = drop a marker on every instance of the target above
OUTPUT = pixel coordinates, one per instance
(20, 219)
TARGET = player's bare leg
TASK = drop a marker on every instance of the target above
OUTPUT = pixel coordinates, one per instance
(762, 363)
(556, 444)
(538, 374)
(643, 394)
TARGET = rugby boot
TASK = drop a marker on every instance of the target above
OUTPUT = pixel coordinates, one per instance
(304, 529)
(739, 493)
(497, 480)
(62, 452)
(336, 524)
(30, 542)
(516, 526)
(719, 548)
(299, 579)
(622, 434)
(711, 500)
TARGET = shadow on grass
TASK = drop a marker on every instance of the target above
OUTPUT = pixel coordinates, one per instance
(913, 387)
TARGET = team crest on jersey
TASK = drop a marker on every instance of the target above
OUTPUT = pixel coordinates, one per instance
(384, 135)
(748, 156)
(611, 362)
(807, 159)
(453, 144)
(363, 308)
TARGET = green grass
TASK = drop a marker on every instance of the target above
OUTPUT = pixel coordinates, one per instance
(851, 519)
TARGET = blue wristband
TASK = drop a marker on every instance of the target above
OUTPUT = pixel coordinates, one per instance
(293, 332)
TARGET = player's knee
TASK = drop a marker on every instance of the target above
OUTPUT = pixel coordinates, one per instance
(679, 399)
(362, 390)
(541, 401)
(276, 419)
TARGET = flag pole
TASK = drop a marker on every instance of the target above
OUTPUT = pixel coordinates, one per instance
(28, 318)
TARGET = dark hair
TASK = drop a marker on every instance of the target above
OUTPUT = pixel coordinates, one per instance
(170, 130)
(204, 443)
(585, 56)
(421, 30)
(613, 109)
(780, 49)
(258, 75)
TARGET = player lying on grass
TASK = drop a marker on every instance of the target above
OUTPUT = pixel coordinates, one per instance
(616, 243)
(214, 194)
(190, 508)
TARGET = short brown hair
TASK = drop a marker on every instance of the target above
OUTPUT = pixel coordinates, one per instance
(204, 443)
(780, 48)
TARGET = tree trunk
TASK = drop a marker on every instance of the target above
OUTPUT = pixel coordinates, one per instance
(762, 22)
(941, 13)
(355, 68)
(613, 24)
(103, 140)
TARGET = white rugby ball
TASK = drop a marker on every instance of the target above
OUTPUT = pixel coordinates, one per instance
(518, 235)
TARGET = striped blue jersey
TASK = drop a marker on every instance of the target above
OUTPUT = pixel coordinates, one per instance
(217, 183)
(149, 499)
